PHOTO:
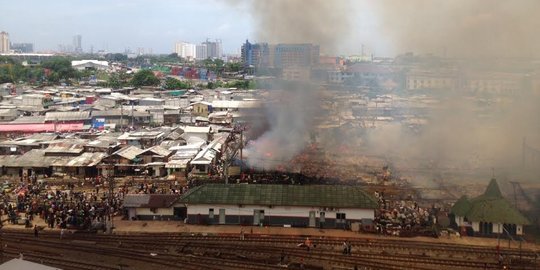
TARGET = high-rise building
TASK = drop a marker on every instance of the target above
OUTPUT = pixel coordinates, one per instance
(214, 49)
(280, 55)
(22, 47)
(201, 52)
(296, 55)
(255, 54)
(77, 44)
(4, 42)
(185, 50)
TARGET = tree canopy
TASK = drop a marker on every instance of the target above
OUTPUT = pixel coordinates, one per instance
(144, 78)
(172, 83)
(57, 69)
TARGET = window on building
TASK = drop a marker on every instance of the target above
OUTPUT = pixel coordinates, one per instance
(340, 216)
(211, 213)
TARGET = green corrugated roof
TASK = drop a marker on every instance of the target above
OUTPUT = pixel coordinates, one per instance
(493, 190)
(496, 211)
(462, 206)
(489, 207)
(286, 195)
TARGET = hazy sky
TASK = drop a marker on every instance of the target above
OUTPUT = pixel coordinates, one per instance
(116, 25)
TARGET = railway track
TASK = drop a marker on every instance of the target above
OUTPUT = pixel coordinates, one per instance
(261, 252)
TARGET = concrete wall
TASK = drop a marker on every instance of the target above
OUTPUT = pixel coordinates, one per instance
(276, 215)
(165, 212)
(497, 228)
(460, 221)
(476, 226)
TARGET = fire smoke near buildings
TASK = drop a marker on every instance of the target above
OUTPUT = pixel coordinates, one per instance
(461, 134)
(291, 119)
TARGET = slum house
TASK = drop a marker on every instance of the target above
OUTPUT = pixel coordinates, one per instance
(220, 118)
(107, 143)
(72, 161)
(147, 101)
(38, 101)
(68, 117)
(22, 145)
(122, 162)
(171, 116)
(151, 207)
(208, 157)
(175, 135)
(70, 104)
(323, 206)
(201, 108)
(123, 118)
(49, 162)
(155, 158)
(489, 214)
(36, 124)
(7, 115)
(240, 110)
(142, 139)
(178, 163)
(203, 133)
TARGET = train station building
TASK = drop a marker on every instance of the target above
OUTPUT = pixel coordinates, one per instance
(324, 206)
(488, 214)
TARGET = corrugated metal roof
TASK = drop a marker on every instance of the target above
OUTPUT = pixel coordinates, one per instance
(129, 152)
(158, 150)
(117, 112)
(177, 163)
(136, 200)
(193, 129)
(285, 195)
(67, 116)
(236, 104)
(50, 127)
(149, 200)
(86, 160)
(29, 120)
(17, 264)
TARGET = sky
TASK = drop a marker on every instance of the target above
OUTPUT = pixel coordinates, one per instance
(116, 25)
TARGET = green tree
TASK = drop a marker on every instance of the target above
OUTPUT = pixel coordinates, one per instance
(215, 65)
(60, 69)
(116, 57)
(172, 83)
(233, 67)
(114, 81)
(144, 78)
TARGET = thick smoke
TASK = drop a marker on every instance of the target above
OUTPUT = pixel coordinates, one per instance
(320, 22)
(465, 134)
(291, 114)
(462, 28)
(464, 139)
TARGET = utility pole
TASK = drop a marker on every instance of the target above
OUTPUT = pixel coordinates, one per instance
(121, 115)
(241, 148)
(132, 117)
(111, 196)
(523, 154)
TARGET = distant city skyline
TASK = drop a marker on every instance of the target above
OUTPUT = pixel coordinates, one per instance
(119, 25)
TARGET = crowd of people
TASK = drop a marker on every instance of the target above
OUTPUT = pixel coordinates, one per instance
(60, 207)
(398, 217)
